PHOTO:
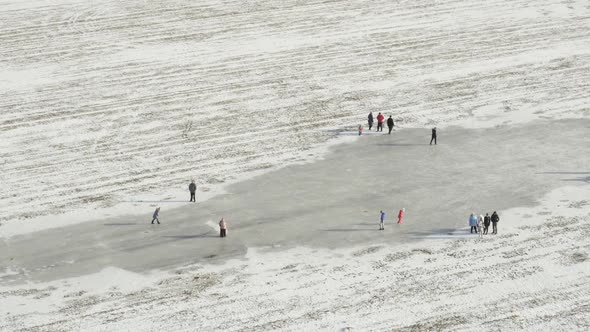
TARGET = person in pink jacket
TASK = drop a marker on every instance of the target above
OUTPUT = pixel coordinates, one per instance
(400, 216)
(222, 228)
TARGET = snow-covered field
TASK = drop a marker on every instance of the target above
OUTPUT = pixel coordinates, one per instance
(108, 107)
(107, 103)
(530, 277)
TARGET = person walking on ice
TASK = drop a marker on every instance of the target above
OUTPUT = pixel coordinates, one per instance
(390, 124)
(360, 130)
(222, 228)
(382, 219)
(400, 216)
(380, 119)
(156, 215)
(433, 138)
(192, 188)
(370, 118)
(495, 218)
(473, 223)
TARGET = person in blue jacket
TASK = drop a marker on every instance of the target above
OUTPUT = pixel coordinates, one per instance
(473, 223)
(382, 220)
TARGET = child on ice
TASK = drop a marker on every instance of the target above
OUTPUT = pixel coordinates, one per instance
(360, 130)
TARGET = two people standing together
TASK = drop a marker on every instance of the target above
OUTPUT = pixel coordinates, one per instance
(400, 218)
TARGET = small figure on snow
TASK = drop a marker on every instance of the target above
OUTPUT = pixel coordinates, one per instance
(370, 120)
(156, 215)
(480, 225)
(433, 138)
(486, 223)
(222, 227)
(382, 218)
(390, 124)
(192, 188)
(495, 218)
(360, 130)
(473, 223)
(380, 119)
(400, 216)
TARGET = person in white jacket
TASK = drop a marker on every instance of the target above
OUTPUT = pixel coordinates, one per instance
(222, 228)
(480, 225)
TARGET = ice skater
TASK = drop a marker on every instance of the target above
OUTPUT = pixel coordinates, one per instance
(400, 216)
(360, 130)
(222, 228)
(390, 124)
(495, 218)
(192, 188)
(480, 226)
(433, 138)
(486, 223)
(156, 215)
(473, 223)
(380, 119)
(370, 118)
(382, 218)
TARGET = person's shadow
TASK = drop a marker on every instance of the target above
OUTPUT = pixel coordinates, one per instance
(194, 236)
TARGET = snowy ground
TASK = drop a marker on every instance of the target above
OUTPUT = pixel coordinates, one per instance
(331, 203)
(533, 276)
(109, 108)
(109, 102)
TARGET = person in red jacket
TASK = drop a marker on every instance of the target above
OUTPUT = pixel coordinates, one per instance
(380, 119)
(400, 216)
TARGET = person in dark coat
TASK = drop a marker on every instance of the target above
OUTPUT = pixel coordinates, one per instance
(433, 136)
(370, 120)
(156, 215)
(495, 218)
(192, 188)
(486, 223)
(390, 124)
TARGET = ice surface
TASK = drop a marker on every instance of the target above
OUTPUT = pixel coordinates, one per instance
(110, 102)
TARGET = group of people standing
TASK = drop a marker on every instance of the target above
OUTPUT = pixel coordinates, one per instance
(480, 224)
(390, 125)
(400, 218)
(380, 120)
